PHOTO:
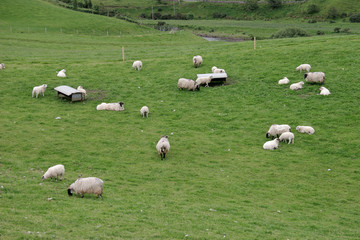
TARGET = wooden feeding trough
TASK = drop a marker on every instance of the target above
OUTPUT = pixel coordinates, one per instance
(218, 78)
(69, 93)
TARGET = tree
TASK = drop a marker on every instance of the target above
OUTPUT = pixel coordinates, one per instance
(75, 4)
(251, 5)
(274, 3)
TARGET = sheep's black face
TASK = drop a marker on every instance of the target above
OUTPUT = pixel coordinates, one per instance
(42, 177)
(267, 135)
(69, 192)
(121, 104)
(305, 76)
(197, 88)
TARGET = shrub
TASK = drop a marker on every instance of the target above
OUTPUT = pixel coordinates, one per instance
(190, 16)
(143, 15)
(251, 5)
(346, 30)
(313, 8)
(161, 23)
(219, 15)
(157, 15)
(355, 18)
(333, 13)
(274, 3)
(319, 32)
(337, 30)
(290, 33)
(312, 21)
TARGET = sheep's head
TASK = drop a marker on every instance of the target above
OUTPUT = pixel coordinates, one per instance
(43, 177)
(322, 88)
(267, 135)
(298, 127)
(277, 139)
(121, 104)
(70, 191)
(301, 83)
(165, 136)
(213, 68)
(45, 85)
(305, 75)
(197, 87)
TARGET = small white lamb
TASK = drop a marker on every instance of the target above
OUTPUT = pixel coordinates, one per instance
(2, 66)
(285, 80)
(204, 80)
(38, 90)
(111, 106)
(271, 145)
(144, 111)
(297, 86)
(137, 65)
(54, 172)
(305, 129)
(324, 91)
(61, 73)
(83, 92)
(287, 136)
(305, 67)
(217, 70)
(197, 60)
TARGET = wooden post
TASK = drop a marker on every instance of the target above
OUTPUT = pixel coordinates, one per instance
(254, 43)
(123, 53)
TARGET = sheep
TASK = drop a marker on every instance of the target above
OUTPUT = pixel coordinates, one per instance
(187, 84)
(163, 146)
(137, 65)
(285, 80)
(203, 80)
(217, 70)
(2, 66)
(305, 129)
(91, 185)
(276, 130)
(83, 92)
(315, 77)
(305, 67)
(287, 136)
(271, 145)
(54, 172)
(297, 86)
(61, 73)
(39, 89)
(144, 111)
(111, 106)
(197, 60)
(324, 91)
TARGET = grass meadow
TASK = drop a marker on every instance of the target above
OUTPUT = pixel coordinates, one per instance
(216, 182)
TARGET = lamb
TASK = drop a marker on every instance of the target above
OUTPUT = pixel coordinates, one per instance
(197, 60)
(203, 80)
(2, 66)
(54, 172)
(163, 146)
(137, 65)
(315, 77)
(39, 89)
(297, 86)
(90, 185)
(217, 70)
(111, 106)
(276, 130)
(61, 73)
(271, 145)
(305, 67)
(287, 136)
(144, 111)
(285, 80)
(83, 92)
(187, 84)
(324, 91)
(305, 129)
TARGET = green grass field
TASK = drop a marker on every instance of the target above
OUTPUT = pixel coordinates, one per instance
(216, 182)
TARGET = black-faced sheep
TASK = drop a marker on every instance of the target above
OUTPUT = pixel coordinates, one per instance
(197, 60)
(275, 130)
(163, 146)
(315, 77)
(90, 185)
(111, 106)
(188, 84)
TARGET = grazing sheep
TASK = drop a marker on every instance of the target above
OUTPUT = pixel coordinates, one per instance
(137, 65)
(54, 172)
(163, 146)
(187, 84)
(61, 73)
(39, 89)
(83, 92)
(111, 106)
(285, 80)
(197, 60)
(90, 185)
(305, 67)
(217, 70)
(287, 136)
(271, 145)
(144, 111)
(324, 91)
(2, 66)
(297, 86)
(315, 77)
(305, 129)
(275, 130)
(203, 80)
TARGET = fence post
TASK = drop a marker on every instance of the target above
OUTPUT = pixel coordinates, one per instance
(254, 43)
(45, 30)
(123, 53)
(107, 33)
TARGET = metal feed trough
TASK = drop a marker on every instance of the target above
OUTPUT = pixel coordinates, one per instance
(218, 78)
(69, 93)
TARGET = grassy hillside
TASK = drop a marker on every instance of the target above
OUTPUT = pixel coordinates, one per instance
(216, 181)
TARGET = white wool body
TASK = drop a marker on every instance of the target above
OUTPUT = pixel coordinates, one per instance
(163, 146)
(90, 185)
(2, 66)
(304, 67)
(297, 86)
(54, 172)
(111, 106)
(315, 77)
(213, 68)
(39, 90)
(285, 80)
(271, 145)
(144, 111)
(287, 136)
(275, 130)
(83, 92)
(203, 80)
(324, 91)
(137, 65)
(61, 73)
(219, 70)
(188, 84)
(305, 129)
(197, 60)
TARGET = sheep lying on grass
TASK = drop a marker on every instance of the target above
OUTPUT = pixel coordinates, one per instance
(111, 106)
(324, 91)
(285, 80)
(217, 70)
(61, 73)
(188, 84)
(305, 67)
(2, 66)
(287, 136)
(271, 145)
(305, 129)
(275, 130)
(163, 146)
(54, 172)
(197, 60)
(315, 77)
(38, 90)
(83, 92)
(137, 65)
(297, 86)
(144, 111)
(90, 185)
(203, 80)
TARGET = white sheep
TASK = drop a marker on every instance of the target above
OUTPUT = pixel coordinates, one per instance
(275, 130)
(38, 90)
(203, 80)
(54, 172)
(305, 129)
(187, 84)
(305, 67)
(197, 60)
(144, 111)
(324, 91)
(111, 106)
(271, 145)
(285, 80)
(137, 65)
(90, 185)
(2, 66)
(297, 86)
(61, 73)
(83, 92)
(217, 70)
(287, 136)
(315, 77)
(163, 146)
